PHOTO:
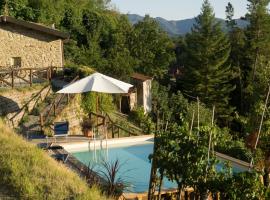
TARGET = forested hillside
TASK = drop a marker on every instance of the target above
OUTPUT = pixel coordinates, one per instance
(224, 73)
(177, 28)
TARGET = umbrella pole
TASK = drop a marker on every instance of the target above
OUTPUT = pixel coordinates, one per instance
(97, 107)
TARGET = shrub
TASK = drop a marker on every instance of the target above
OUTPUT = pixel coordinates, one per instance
(236, 149)
(105, 102)
(80, 70)
(27, 172)
(142, 120)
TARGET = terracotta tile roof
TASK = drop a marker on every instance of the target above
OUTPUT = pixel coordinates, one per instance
(34, 26)
(141, 77)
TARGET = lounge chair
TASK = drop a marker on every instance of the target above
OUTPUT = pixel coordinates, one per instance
(61, 157)
(61, 129)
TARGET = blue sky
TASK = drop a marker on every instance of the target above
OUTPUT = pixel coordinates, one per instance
(176, 9)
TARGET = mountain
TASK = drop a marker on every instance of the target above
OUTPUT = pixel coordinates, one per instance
(180, 27)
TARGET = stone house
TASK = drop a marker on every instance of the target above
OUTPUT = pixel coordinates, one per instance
(29, 45)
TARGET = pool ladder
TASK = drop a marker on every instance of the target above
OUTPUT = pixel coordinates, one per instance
(94, 140)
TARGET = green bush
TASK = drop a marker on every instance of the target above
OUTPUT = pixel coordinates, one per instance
(27, 172)
(142, 120)
(236, 149)
(137, 115)
(105, 102)
(80, 70)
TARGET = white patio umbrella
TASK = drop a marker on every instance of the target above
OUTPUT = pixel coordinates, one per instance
(97, 83)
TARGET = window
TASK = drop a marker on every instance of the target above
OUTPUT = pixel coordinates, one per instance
(16, 62)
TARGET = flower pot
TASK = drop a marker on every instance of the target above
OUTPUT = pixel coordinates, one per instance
(88, 133)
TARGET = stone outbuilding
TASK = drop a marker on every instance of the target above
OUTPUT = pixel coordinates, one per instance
(29, 45)
(140, 95)
(143, 86)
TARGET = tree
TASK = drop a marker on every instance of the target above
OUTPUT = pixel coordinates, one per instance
(229, 16)
(120, 62)
(258, 55)
(258, 32)
(207, 73)
(152, 48)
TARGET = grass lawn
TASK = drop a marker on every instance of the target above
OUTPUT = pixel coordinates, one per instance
(27, 172)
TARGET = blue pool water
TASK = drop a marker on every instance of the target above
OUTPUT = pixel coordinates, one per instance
(135, 167)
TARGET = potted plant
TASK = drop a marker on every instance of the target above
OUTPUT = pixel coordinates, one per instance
(87, 127)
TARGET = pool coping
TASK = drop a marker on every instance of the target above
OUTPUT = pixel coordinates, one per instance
(102, 143)
(236, 161)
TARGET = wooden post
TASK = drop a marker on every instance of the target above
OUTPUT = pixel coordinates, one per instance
(12, 78)
(49, 73)
(261, 123)
(52, 72)
(191, 125)
(210, 138)
(112, 131)
(54, 109)
(30, 77)
(41, 122)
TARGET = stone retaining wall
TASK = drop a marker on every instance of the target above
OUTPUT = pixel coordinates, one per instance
(73, 113)
(12, 102)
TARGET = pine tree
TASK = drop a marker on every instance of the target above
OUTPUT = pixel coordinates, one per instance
(207, 73)
(258, 32)
(237, 59)
(258, 56)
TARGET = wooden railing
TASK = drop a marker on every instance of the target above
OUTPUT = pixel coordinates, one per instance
(110, 124)
(27, 75)
(53, 107)
(36, 97)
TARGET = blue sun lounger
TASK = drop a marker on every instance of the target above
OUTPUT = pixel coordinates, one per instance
(61, 129)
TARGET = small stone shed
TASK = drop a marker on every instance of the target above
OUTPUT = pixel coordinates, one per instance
(30, 45)
(143, 95)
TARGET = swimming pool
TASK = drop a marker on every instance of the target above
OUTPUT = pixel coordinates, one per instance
(135, 167)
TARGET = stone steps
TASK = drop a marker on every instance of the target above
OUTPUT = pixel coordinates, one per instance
(31, 128)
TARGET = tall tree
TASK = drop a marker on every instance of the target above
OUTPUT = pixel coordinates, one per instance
(229, 16)
(258, 32)
(258, 56)
(152, 48)
(237, 59)
(207, 72)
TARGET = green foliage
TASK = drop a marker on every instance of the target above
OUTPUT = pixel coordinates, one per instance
(73, 69)
(258, 43)
(137, 115)
(152, 47)
(174, 109)
(243, 186)
(207, 73)
(91, 100)
(25, 118)
(115, 185)
(142, 120)
(178, 149)
(236, 149)
(29, 173)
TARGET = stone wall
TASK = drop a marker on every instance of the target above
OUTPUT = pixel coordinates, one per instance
(12, 102)
(36, 49)
(147, 96)
(74, 114)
